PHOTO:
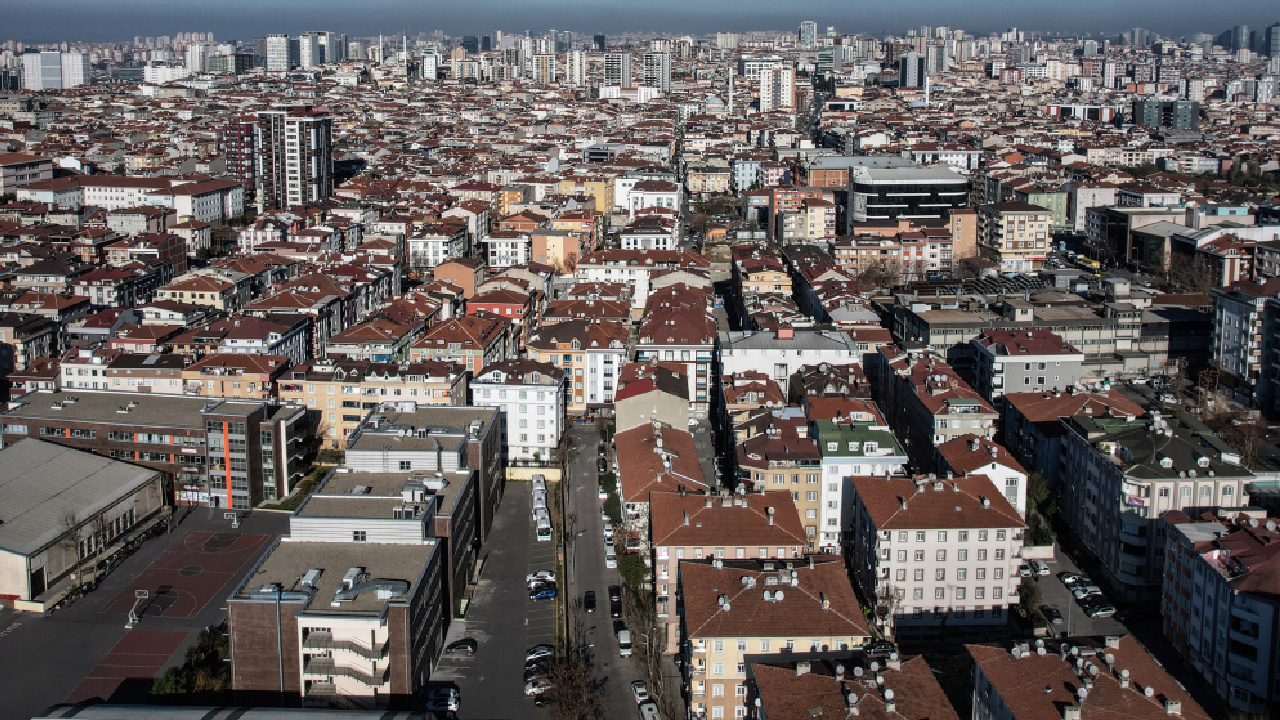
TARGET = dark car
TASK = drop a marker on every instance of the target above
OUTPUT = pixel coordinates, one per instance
(536, 670)
(1052, 614)
(600, 450)
(589, 601)
(615, 592)
(883, 648)
(615, 608)
(601, 465)
(465, 646)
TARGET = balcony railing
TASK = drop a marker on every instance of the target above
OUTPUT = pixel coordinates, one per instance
(326, 666)
(326, 641)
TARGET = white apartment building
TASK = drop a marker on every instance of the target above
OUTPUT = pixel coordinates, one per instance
(777, 89)
(1024, 361)
(281, 53)
(858, 445)
(657, 71)
(506, 248)
(575, 68)
(933, 552)
(544, 68)
(53, 70)
(310, 53)
(530, 396)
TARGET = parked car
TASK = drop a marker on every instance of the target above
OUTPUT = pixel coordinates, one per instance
(608, 529)
(1052, 614)
(539, 651)
(1040, 567)
(589, 601)
(444, 700)
(465, 646)
(649, 711)
(537, 686)
(1024, 570)
(640, 690)
(1070, 578)
(615, 607)
(537, 669)
(540, 576)
(602, 465)
(610, 558)
(1100, 609)
(615, 592)
(542, 592)
(624, 643)
(1079, 590)
(602, 493)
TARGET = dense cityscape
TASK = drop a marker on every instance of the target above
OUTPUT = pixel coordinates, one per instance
(921, 375)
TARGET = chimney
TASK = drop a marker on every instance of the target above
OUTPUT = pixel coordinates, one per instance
(802, 667)
(686, 518)
(1173, 707)
(769, 511)
(710, 500)
(1071, 712)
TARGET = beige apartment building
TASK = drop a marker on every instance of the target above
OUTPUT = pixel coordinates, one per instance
(1014, 234)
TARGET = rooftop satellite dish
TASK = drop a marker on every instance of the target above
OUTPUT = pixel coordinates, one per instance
(888, 694)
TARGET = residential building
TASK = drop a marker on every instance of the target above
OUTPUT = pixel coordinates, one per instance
(1032, 424)
(929, 566)
(736, 609)
(591, 354)
(694, 526)
(906, 193)
(783, 352)
(1122, 474)
(853, 443)
(973, 455)
(473, 341)
(1024, 361)
(928, 402)
(21, 169)
(1219, 604)
(1014, 234)
(793, 688)
(531, 396)
(295, 157)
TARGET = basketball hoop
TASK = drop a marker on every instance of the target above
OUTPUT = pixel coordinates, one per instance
(139, 597)
(233, 517)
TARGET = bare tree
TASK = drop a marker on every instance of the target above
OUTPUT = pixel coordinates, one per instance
(887, 601)
(69, 537)
(1247, 434)
(648, 643)
(574, 693)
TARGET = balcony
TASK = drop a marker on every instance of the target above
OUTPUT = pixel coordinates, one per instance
(326, 641)
(325, 694)
(326, 666)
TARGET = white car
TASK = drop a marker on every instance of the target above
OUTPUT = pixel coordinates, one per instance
(537, 687)
(640, 690)
(543, 576)
(649, 711)
(608, 530)
(602, 493)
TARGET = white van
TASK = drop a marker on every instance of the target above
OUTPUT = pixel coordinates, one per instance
(539, 501)
(624, 643)
(610, 558)
(539, 483)
(542, 524)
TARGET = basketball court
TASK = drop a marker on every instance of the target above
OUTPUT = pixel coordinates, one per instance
(188, 576)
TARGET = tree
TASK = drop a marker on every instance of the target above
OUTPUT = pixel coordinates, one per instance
(1246, 434)
(886, 605)
(574, 694)
(1029, 601)
(1037, 490)
(632, 569)
(69, 537)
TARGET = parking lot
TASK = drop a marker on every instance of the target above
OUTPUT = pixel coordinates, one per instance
(501, 618)
(1074, 621)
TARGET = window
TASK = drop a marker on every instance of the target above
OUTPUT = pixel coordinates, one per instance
(962, 574)
(982, 536)
(962, 555)
(996, 593)
(999, 535)
(979, 593)
(1000, 554)
(939, 593)
(358, 536)
(982, 554)
(959, 593)
(980, 573)
(901, 574)
(942, 537)
(942, 556)
(902, 536)
(998, 573)
(940, 574)
(920, 536)
(406, 464)
(902, 556)
(742, 646)
(919, 556)
(917, 594)
(764, 646)
(717, 645)
(919, 575)
(717, 668)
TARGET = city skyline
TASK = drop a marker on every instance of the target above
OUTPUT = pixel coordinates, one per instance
(84, 21)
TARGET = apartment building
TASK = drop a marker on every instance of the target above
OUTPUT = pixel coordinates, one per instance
(651, 459)
(1032, 424)
(738, 608)
(219, 453)
(696, 526)
(116, 370)
(903, 193)
(1076, 678)
(1024, 361)
(1014, 234)
(929, 404)
(295, 157)
(25, 338)
(935, 553)
(591, 354)
(1122, 474)
(473, 341)
(852, 443)
(1219, 604)
(1243, 340)
(771, 461)
(832, 686)
(782, 352)
(21, 169)
(248, 377)
(531, 396)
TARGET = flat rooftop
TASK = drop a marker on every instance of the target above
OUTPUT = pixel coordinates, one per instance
(336, 499)
(147, 410)
(288, 562)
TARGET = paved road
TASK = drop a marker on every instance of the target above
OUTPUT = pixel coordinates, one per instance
(44, 659)
(589, 573)
(1074, 621)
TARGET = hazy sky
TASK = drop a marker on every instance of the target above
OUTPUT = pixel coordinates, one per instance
(107, 20)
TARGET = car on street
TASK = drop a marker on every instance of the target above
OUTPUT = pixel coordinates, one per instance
(600, 450)
(1079, 591)
(537, 669)
(444, 700)
(589, 601)
(541, 576)
(881, 648)
(1024, 570)
(640, 690)
(465, 646)
(1100, 609)
(537, 687)
(602, 465)
(1052, 614)
(542, 591)
(615, 607)
(608, 541)
(539, 651)
(649, 711)
(602, 493)
(1039, 567)
(1070, 578)
(608, 530)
